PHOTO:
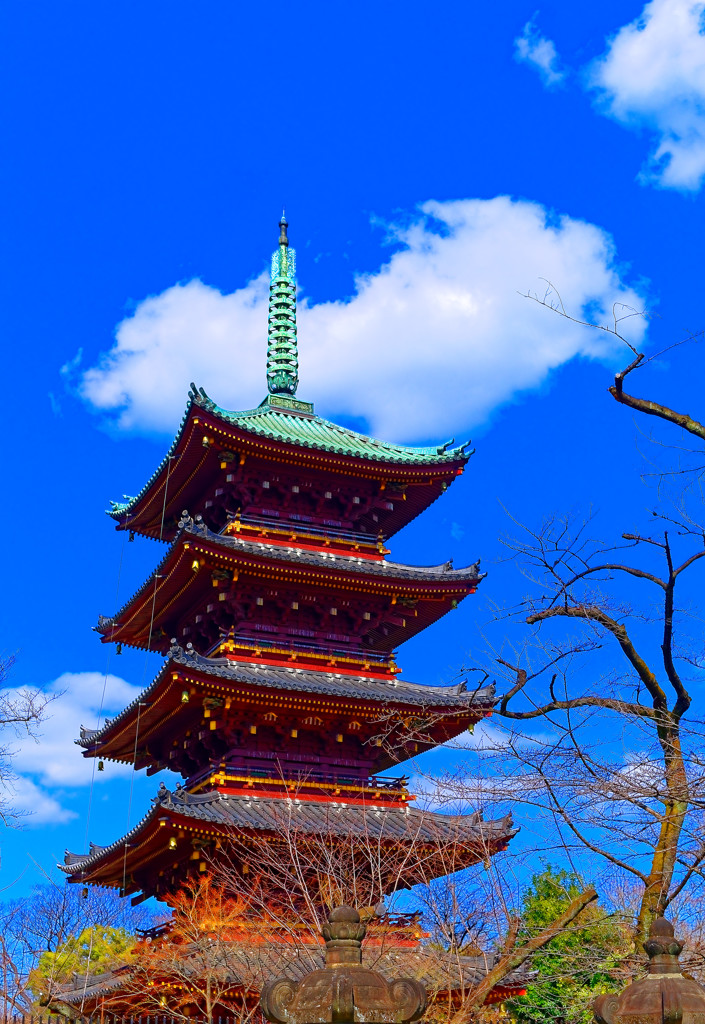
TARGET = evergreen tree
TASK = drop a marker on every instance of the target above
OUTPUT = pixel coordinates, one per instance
(577, 965)
(92, 951)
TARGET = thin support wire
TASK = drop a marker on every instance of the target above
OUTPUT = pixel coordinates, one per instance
(140, 705)
(102, 696)
(88, 963)
(166, 488)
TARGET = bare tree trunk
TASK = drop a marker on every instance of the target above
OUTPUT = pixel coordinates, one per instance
(650, 408)
(659, 881)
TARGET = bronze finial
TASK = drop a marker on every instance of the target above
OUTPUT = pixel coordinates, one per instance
(664, 996)
(283, 224)
(343, 992)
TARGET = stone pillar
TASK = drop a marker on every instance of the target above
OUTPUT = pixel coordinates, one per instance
(343, 992)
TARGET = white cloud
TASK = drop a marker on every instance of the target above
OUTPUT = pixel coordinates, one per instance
(53, 761)
(493, 736)
(429, 345)
(540, 53)
(653, 76)
(40, 808)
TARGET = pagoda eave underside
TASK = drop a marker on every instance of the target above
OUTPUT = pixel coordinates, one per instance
(205, 569)
(407, 718)
(173, 841)
(195, 466)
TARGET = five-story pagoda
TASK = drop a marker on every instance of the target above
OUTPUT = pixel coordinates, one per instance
(279, 614)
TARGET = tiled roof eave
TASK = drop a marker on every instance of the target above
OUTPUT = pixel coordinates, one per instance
(461, 971)
(439, 456)
(455, 698)
(298, 556)
(359, 445)
(94, 987)
(73, 862)
(120, 510)
(442, 573)
(260, 814)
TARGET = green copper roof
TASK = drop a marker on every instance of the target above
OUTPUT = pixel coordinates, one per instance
(294, 422)
(281, 417)
(282, 353)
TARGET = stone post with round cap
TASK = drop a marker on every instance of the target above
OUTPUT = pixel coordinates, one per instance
(343, 992)
(664, 996)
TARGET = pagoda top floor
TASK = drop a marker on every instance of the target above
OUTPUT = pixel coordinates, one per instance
(281, 461)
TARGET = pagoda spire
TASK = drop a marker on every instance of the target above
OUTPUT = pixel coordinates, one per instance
(282, 350)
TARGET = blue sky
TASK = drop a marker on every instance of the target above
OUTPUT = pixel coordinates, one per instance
(435, 163)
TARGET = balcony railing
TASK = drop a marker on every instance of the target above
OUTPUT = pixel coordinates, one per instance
(299, 529)
(300, 777)
(290, 646)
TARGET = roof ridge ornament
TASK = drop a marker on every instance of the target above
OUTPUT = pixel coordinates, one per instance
(282, 346)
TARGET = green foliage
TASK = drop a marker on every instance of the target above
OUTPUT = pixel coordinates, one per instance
(92, 951)
(575, 966)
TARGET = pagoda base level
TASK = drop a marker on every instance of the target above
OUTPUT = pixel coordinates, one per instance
(448, 978)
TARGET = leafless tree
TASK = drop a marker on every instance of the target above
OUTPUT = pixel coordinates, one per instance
(617, 327)
(256, 913)
(15, 997)
(196, 966)
(294, 878)
(597, 730)
(602, 669)
(22, 711)
(43, 921)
